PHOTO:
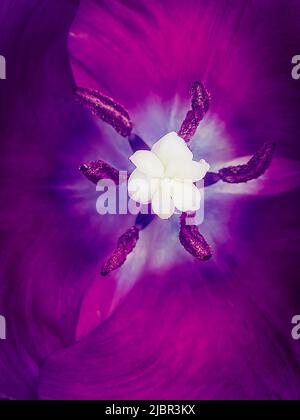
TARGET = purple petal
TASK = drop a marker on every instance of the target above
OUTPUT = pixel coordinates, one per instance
(200, 106)
(107, 109)
(256, 166)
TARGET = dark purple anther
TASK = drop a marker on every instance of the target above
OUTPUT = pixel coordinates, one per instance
(125, 246)
(95, 171)
(200, 106)
(192, 240)
(107, 109)
(256, 166)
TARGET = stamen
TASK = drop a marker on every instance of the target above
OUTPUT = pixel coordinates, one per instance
(192, 240)
(107, 109)
(200, 105)
(144, 220)
(95, 171)
(125, 246)
(136, 143)
(211, 178)
(256, 166)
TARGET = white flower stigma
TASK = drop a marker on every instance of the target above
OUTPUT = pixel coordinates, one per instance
(165, 177)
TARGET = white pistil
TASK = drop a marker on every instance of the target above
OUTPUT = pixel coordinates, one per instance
(165, 177)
